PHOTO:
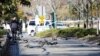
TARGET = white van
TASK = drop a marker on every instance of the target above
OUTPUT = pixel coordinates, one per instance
(31, 26)
(44, 27)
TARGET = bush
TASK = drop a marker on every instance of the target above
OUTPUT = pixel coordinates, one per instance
(61, 33)
(80, 33)
(1, 27)
(48, 33)
(2, 32)
(91, 31)
(85, 32)
(71, 32)
(68, 32)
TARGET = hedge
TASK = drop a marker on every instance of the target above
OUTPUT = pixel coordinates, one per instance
(48, 33)
(68, 32)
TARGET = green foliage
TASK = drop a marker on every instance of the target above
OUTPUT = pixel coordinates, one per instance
(68, 32)
(2, 32)
(85, 32)
(44, 34)
(91, 31)
(1, 27)
(48, 33)
(81, 33)
(9, 8)
(62, 33)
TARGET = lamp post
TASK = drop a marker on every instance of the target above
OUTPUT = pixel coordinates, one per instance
(53, 14)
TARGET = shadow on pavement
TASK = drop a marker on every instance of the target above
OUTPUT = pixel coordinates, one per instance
(96, 54)
(14, 50)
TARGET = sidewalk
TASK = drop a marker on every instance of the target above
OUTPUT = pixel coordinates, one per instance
(64, 48)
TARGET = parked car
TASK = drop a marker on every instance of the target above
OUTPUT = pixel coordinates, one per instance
(44, 27)
(61, 26)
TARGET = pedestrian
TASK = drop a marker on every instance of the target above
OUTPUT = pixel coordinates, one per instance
(14, 27)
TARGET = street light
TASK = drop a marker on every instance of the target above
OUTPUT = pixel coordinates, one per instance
(53, 14)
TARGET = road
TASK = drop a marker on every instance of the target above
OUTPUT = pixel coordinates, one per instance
(29, 46)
